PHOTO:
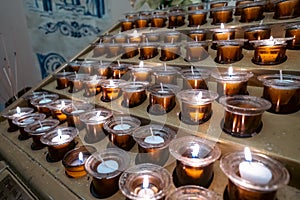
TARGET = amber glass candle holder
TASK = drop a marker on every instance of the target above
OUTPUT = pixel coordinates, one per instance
(222, 15)
(256, 33)
(252, 11)
(106, 38)
(166, 75)
(196, 51)
(243, 114)
(286, 9)
(222, 34)
(195, 78)
(74, 161)
(293, 31)
(197, 17)
(197, 35)
(103, 69)
(232, 82)
(94, 121)
(62, 80)
(41, 103)
(195, 6)
(76, 82)
(145, 181)
(120, 71)
(195, 158)
(130, 50)
(192, 192)
(153, 143)
(120, 38)
(113, 50)
(176, 19)
(32, 95)
(106, 168)
(74, 111)
(141, 72)
(127, 24)
(240, 188)
(99, 50)
(131, 15)
(120, 129)
(229, 51)
(87, 66)
(26, 120)
(59, 141)
(152, 36)
(111, 89)
(158, 20)
(134, 93)
(38, 129)
(216, 4)
(135, 37)
(142, 21)
(10, 115)
(172, 36)
(169, 51)
(162, 98)
(74, 66)
(238, 4)
(92, 86)
(196, 105)
(283, 93)
(148, 50)
(269, 51)
(56, 109)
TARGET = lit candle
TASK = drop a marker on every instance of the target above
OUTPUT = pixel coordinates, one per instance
(255, 172)
(222, 33)
(60, 137)
(134, 93)
(146, 192)
(111, 89)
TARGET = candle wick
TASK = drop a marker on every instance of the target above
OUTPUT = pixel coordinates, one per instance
(196, 38)
(162, 87)
(113, 41)
(192, 69)
(147, 41)
(101, 63)
(165, 66)
(280, 74)
(41, 125)
(172, 40)
(119, 64)
(151, 131)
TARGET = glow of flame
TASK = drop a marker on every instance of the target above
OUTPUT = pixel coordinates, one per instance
(141, 64)
(98, 114)
(146, 182)
(248, 155)
(195, 150)
(135, 33)
(230, 71)
(80, 157)
(18, 109)
(199, 96)
(222, 26)
(271, 37)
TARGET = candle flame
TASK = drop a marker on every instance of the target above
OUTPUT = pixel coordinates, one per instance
(195, 150)
(80, 157)
(146, 182)
(248, 155)
(222, 26)
(111, 82)
(98, 114)
(63, 104)
(271, 37)
(135, 33)
(199, 96)
(141, 64)
(230, 71)
(18, 109)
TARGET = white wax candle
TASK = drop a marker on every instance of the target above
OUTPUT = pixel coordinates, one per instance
(107, 166)
(44, 100)
(60, 138)
(77, 111)
(145, 191)
(29, 120)
(43, 128)
(121, 127)
(254, 172)
(78, 161)
(154, 139)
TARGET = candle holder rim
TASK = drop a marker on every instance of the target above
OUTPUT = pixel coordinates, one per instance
(83, 117)
(9, 114)
(37, 116)
(207, 97)
(95, 79)
(53, 122)
(231, 157)
(197, 43)
(277, 41)
(52, 97)
(222, 30)
(72, 132)
(202, 11)
(222, 8)
(261, 104)
(256, 28)
(237, 75)
(79, 106)
(63, 74)
(292, 26)
(197, 30)
(234, 42)
(33, 94)
(136, 45)
(137, 68)
(288, 80)
(137, 85)
(122, 156)
(78, 76)
(169, 44)
(87, 63)
(169, 88)
(145, 169)
(74, 62)
(116, 82)
(252, 4)
(125, 119)
(186, 142)
(86, 149)
(196, 73)
(54, 105)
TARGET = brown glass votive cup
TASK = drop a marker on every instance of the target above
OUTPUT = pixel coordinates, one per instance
(25, 120)
(176, 19)
(38, 129)
(158, 21)
(196, 105)
(286, 9)
(134, 93)
(153, 142)
(162, 99)
(229, 51)
(238, 4)
(169, 51)
(222, 34)
(104, 70)
(74, 66)
(240, 188)
(283, 93)
(111, 89)
(74, 163)
(106, 168)
(196, 51)
(62, 79)
(193, 192)
(133, 182)
(172, 36)
(130, 50)
(293, 30)
(141, 22)
(121, 71)
(74, 111)
(41, 103)
(141, 73)
(94, 121)
(216, 4)
(256, 33)
(92, 86)
(120, 131)
(10, 115)
(197, 35)
(195, 78)
(56, 109)
(195, 158)
(222, 15)
(135, 37)
(165, 76)
(127, 24)
(120, 38)
(148, 51)
(59, 141)
(197, 18)
(152, 36)
(99, 50)
(113, 50)
(243, 114)
(87, 66)
(76, 82)
(252, 12)
(31, 95)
